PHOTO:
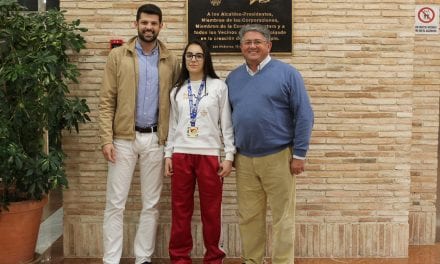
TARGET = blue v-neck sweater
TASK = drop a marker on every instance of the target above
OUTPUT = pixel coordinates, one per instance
(270, 110)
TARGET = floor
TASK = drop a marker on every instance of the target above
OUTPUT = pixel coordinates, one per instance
(50, 246)
(417, 255)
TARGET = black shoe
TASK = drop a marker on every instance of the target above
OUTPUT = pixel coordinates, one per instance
(146, 262)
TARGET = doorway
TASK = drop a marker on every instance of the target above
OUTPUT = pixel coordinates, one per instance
(40, 5)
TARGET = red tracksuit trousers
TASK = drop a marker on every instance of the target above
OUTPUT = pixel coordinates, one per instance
(189, 169)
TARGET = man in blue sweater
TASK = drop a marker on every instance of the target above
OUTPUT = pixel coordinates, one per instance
(272, 119)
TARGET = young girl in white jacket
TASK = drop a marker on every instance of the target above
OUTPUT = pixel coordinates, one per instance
(200, 123)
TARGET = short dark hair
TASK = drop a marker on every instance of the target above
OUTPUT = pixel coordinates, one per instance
(149, 9)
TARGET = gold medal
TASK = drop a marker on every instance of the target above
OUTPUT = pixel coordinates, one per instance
(194, 101)
(192, 132)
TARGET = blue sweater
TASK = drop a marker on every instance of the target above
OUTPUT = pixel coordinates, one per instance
(270, 110)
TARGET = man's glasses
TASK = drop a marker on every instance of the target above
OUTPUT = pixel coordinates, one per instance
(256, 42)
(197, 56)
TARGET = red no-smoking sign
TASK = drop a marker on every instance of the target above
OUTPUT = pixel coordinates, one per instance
(426, 19)
(426, 15)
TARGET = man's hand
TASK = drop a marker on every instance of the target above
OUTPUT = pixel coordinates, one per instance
(109, 152)
(297, 166)
(225, 168)
(168, 167)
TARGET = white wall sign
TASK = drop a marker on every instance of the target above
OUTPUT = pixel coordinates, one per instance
(427, 19)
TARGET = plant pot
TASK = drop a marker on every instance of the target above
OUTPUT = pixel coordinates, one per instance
(19, 231)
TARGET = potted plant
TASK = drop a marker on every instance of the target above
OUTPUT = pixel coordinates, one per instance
(35, 72)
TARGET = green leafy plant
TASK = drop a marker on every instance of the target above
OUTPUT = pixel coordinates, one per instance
(35, 71)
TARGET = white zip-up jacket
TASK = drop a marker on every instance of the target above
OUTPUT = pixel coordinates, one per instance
(213, 121)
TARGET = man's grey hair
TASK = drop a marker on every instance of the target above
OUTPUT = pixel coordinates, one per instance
(254, 27)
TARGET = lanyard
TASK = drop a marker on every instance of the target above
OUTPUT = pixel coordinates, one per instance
(194, 102)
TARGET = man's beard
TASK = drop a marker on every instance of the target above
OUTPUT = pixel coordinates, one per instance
(149, 39)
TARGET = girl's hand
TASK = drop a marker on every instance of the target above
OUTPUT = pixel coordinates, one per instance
(225, 168)
(168, 167)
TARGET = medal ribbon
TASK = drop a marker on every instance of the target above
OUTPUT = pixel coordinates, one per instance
(194, 102)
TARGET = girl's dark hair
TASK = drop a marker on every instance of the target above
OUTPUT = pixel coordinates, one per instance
(208, 68)
(149, 9)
